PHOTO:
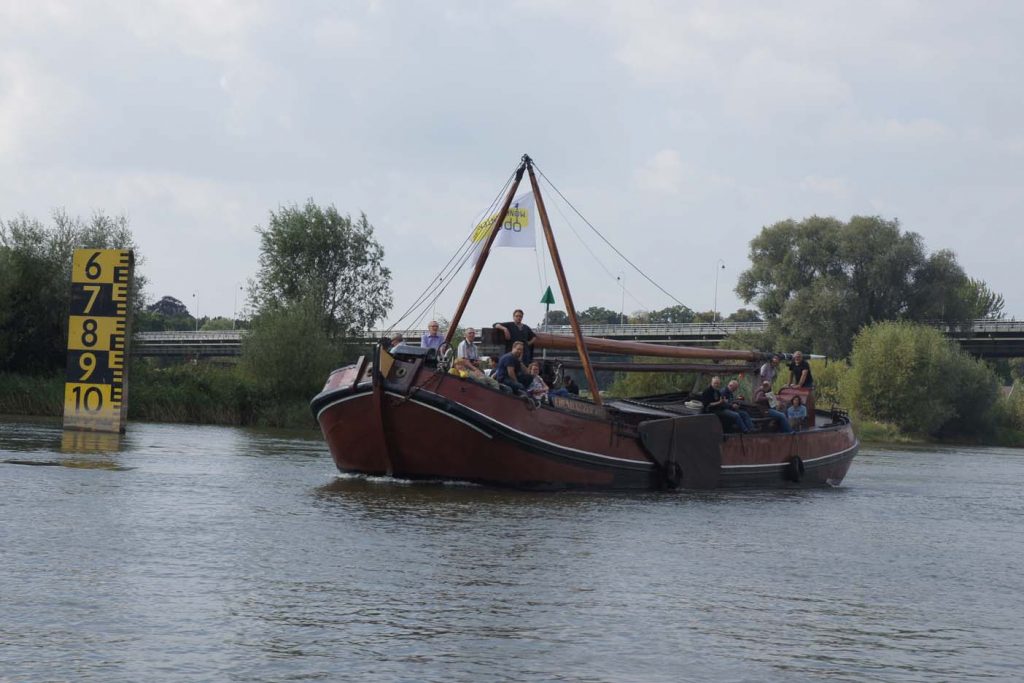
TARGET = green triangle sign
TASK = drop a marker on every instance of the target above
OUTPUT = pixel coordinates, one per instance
(548, 297)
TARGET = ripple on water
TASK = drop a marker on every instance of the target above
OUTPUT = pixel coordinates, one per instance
(211, 553)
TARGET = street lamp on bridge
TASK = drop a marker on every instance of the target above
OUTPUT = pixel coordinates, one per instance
(719, 266)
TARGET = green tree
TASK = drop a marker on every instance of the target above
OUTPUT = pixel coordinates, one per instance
(912, 376)
(705, 317)
(314, 254)
(218, 324)
(557, 318)
(35, 283)
(672, 314)
(598, 315)
(820, 280)
(288, 352)
(744, 315)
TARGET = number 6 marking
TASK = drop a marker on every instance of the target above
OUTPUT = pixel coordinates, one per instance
(92, 269)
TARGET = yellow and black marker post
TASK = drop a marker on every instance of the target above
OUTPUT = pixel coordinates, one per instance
(96, 388)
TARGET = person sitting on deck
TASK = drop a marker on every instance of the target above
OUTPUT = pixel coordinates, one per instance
(715, 403)
(396, 339)
(517, 331)
(570, 385)
(797, 413)
(538, 388)
(432, 339)
(766, 399)
(510, 370)
(467, 348)
(733, 399)
(800, 372)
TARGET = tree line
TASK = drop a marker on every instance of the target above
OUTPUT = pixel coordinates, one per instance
(820, 284)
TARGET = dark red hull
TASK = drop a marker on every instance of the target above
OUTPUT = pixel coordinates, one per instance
(416, 423)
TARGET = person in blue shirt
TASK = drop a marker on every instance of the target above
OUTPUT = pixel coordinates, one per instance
(510, 370)
(432, 339)
(797, 414)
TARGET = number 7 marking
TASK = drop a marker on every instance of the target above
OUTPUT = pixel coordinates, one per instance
(94, 291)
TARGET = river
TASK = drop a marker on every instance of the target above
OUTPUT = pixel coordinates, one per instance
(193, 553)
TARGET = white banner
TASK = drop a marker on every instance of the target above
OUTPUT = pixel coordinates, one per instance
(517, 230)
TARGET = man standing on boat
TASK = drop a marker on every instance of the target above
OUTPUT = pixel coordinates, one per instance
(432, 339)
(800, 372)
(510, 370)
(769, 371)
(516, 331)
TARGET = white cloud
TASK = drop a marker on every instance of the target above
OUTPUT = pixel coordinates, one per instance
(836, 188)
(34, 106)
(654, 116)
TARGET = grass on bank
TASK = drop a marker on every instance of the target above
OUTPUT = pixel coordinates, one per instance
(197, 394)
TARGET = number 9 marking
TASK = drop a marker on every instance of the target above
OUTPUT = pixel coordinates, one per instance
(87, 361)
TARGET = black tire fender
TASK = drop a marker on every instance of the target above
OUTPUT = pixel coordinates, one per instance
(795, 469)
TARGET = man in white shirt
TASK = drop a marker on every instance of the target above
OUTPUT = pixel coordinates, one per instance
(467, 348)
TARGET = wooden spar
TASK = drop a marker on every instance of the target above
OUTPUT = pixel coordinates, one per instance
(484, 252)
(562, 342)
(563, 284)
(704, 368)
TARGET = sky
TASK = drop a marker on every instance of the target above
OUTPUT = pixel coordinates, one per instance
(678, 129)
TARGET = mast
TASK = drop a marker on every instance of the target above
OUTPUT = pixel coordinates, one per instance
(563, 284)
(546, 340)
(485, 251)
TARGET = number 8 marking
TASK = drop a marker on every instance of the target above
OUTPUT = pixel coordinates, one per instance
(89, 337)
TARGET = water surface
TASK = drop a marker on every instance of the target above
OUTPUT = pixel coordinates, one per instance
(185, 553)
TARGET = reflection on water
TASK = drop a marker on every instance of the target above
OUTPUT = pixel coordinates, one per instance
(188, 553)
(74, 441)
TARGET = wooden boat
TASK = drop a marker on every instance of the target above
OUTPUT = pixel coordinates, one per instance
(399, 413)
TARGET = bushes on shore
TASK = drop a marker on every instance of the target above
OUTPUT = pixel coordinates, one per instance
(912, 376)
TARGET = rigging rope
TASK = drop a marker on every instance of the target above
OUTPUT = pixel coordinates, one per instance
(612, 246)
(448, 271)
(586, 246)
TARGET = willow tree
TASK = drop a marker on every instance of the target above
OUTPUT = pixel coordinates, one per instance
(314, 254)
(820, 280)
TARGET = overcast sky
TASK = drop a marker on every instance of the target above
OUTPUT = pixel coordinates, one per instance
(679, 129)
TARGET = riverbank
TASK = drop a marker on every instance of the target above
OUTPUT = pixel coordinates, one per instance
(190, 394)
(209, 394)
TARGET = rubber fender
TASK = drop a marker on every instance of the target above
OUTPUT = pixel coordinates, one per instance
(673, 475)
(795, 469)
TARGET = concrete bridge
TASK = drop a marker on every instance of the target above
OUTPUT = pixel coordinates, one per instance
(984, 338)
